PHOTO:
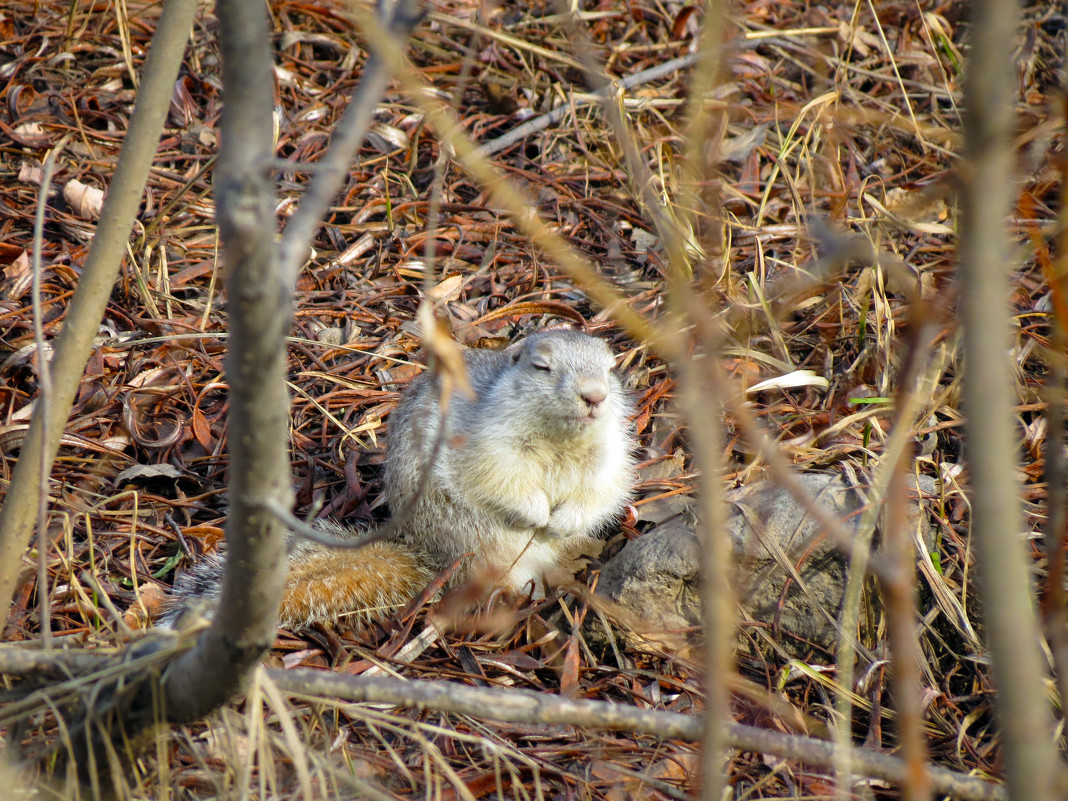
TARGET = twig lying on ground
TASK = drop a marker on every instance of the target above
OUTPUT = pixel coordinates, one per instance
(545, 120)
(523, 706)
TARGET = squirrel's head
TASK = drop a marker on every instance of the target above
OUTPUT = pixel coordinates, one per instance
(568, 378)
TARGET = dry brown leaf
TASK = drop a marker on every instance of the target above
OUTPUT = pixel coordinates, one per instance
(84, 200)
(444, 353)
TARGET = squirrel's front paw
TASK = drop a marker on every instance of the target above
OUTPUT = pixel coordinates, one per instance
(567, 520)
(531, 513)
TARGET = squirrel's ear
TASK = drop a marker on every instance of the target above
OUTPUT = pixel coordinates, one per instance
(516, 354)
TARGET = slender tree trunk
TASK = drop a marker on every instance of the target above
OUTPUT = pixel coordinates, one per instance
(997, 524)
(260, 316)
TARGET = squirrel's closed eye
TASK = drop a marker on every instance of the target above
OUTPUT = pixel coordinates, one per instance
(541, 361)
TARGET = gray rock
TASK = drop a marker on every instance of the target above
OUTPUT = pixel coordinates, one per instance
(786, 577)
(656, 577)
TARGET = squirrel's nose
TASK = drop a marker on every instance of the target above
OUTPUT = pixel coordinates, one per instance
(594, 393)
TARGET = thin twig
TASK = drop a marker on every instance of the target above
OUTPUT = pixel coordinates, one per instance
(908, 404)
(504, 194)
(244, 626)
(44, 394)
(525, 706)
(989, 389)
(396, 20)
(399, 517)
(602, 94)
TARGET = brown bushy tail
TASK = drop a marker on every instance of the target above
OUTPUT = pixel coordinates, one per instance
(323, 583)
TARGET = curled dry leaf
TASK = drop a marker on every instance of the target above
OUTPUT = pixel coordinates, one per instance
(141, 473)
(84, 200)
(447, 290)
(443, 349)
(386, 138)
(31, 174)
(798, 378)
(30, 134)
(27, 355)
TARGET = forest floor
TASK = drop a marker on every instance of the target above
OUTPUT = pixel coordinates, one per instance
(839, 131)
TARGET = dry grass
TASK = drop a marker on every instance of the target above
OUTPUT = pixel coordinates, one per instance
(836, 225)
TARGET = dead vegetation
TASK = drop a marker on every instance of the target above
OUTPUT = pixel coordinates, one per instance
(836, 253)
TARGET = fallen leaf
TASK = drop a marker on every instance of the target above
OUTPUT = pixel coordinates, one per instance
(84, 200)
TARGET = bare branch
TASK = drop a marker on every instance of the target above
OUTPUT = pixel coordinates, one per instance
(524, 706)
(260, 316)
(662, 339)
(989, 387)
(44, 395)
(601, 95)
(396, 19)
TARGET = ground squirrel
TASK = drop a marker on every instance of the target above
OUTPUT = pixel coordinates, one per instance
(528, 472)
